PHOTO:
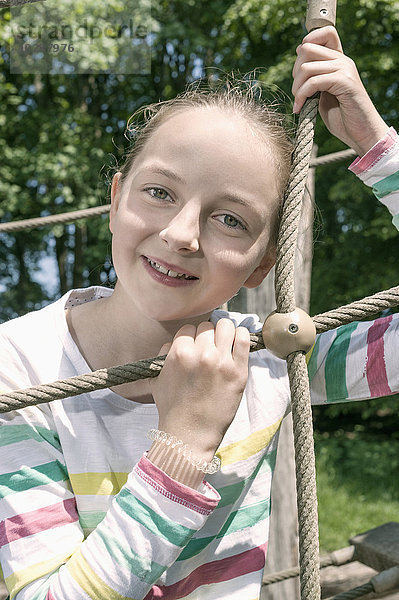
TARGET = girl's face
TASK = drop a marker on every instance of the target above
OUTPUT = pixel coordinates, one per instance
(200, 200)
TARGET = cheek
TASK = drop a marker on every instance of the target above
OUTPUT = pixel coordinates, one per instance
(236, 264)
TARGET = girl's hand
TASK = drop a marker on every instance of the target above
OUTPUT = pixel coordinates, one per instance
(345, 106)
(201, 384)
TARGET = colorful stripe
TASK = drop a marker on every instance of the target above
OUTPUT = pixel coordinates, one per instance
(311, 359)
(335, 365)
(238, 520)
(98, 484)
(36, 521)
(229, 494)
(376, 372)
(249, 446)
(89, 581)
(19, 579)
(386, 186)
(213, 572)
(29, 477)
(19, 433)
(375, 154)
(151, 520)
(142, 566)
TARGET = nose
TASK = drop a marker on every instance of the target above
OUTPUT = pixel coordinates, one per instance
(183, 231)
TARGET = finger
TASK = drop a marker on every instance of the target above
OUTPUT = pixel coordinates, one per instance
(184, 335)
(205, 336)
(224, 335)
(312, 69)
(313, 52)
(319, 83)
(241, 345)
(324, 36)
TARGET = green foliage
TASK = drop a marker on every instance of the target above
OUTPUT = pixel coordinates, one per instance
(61, 137)
(358, 486)
(61, 134)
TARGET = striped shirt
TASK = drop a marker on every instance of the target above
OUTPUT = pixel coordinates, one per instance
(85, 515)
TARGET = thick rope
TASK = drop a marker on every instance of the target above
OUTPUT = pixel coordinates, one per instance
(356, 592)
(68, 217)
(151, 367)
(340, 557)
(332, 158)
(297, 371)
(75, 215)
(357, 310)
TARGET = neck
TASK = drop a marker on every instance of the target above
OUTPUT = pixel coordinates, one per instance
(111, 331)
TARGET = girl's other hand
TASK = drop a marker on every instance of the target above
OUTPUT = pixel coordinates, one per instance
(345, 106)
(201, 384)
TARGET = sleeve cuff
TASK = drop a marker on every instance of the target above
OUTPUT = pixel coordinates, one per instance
(375, 154)
(202, 501)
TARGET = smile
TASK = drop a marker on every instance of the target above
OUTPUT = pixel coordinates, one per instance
(168, 272)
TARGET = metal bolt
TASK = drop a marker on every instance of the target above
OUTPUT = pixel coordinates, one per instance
(293, 328)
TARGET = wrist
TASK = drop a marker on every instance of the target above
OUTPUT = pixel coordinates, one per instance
(376, 134)
(178, 460)
(175, 465)
(201, 443)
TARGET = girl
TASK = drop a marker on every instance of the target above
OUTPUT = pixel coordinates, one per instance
(86, 513)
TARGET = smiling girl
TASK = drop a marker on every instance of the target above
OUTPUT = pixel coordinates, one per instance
(89, 507)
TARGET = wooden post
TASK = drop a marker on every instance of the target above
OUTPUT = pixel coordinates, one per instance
(283, 535)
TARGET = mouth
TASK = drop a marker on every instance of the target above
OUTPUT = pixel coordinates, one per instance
(170, 273)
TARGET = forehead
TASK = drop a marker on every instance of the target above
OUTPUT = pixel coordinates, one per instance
(214, 147)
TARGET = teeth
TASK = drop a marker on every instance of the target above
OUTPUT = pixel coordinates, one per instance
(169, 273)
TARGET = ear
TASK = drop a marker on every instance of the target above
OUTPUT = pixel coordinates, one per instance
(262, 270)
(115, 197)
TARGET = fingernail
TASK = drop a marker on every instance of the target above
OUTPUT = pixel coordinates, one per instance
(295, 108)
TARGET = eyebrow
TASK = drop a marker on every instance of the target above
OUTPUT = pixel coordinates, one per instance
(164, 171)
(173, 175)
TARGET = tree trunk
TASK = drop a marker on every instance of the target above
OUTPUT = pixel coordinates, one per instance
(283, 533)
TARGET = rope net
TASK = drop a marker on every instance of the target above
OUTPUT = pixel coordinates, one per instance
(296, 363)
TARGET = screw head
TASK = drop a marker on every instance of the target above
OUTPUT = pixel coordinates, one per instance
(293, 328)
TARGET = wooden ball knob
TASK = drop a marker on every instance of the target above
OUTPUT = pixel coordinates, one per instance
(284, 333)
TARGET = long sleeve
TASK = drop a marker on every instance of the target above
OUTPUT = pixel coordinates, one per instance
(43, 553)
(379, 169)
(355, 361)
(359, 360)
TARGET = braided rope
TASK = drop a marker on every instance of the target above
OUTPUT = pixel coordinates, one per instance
(151, 367)
(339, 557)
(68, 217)
(369, 306)
(297, 371)
(356, 592)
(332, 158)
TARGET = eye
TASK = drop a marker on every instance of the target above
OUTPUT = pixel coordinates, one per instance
(157, 193)
(231, 222)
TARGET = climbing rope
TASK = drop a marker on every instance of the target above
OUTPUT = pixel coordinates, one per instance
(76, 215)
(62, 218)
(151, 367)
(357, 592)
(305, 466)
(332, 158)
(296, 363)
(337, 558)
